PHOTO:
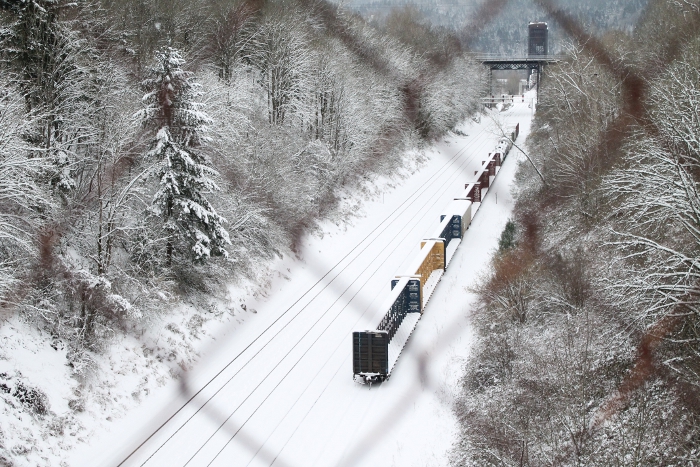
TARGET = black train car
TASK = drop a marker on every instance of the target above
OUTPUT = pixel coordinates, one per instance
(371, 357)
(370, 354)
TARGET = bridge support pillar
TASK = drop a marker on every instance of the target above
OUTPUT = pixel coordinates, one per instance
(490, 78)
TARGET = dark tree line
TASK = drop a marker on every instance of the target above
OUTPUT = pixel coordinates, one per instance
(505, 32)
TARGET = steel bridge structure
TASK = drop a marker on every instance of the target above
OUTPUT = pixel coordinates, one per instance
(526, 62)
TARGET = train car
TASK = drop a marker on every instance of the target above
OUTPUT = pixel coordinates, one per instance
(444, 230)
(429, 266)
(464, 209)
(472, 192)
(504, 146)
(375, 352)
(484, 180)
(491, 168)
(456, 219)
(370, 355)
(476, 191)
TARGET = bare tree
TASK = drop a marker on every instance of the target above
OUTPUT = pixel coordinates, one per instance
(22, 197)
(283, 57)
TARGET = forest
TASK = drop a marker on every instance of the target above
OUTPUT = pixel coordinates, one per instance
(153, 152)
(588, 325)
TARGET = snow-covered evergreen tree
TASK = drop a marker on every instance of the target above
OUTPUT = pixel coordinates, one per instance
(179, 123)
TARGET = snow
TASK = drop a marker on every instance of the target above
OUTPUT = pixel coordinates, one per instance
(451, 250)
(430, 285)
(41, 368)
(401, 337)
(280, 387)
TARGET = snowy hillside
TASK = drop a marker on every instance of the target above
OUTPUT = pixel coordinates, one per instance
(161, 164)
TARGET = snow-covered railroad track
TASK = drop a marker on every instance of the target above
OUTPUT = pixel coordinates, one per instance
(386, 253)
(263, 386)
(448, 170)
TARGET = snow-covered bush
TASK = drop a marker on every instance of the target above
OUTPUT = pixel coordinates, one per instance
(33, 399)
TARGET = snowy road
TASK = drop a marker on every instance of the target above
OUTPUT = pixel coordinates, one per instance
(280, 387)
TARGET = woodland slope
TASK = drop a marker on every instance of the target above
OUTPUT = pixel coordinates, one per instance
(153, 152)
(589, 324)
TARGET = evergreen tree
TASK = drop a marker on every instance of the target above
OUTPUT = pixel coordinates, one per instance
(507, 240)
(179, 123)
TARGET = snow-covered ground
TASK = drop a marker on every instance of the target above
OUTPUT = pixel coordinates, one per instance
(278, 387)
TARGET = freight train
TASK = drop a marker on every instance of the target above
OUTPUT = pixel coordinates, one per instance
(375, 352)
